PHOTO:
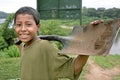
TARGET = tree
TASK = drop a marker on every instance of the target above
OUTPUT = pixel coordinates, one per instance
(8, 34)
(100, 12)
(91, 12)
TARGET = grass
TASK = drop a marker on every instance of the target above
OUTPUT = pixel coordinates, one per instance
(117, 77)
(108, 61)
(9, 67)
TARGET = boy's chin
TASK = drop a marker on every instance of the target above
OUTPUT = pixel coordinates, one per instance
(25, 41)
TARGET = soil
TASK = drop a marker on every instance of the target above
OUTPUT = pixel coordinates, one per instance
(95, 72)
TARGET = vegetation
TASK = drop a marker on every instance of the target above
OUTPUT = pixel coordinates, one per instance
(7, 34)
(10, 52)
(101, 12)
(107, 61)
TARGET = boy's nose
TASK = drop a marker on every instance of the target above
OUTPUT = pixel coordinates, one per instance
(23, 28)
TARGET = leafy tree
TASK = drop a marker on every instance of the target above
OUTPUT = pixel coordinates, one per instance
(3, 44)
(100, 12)
(91, 12)
(7, 32)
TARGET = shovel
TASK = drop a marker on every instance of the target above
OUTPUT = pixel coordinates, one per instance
(89, 39)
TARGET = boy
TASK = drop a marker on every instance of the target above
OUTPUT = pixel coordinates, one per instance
(40, 60)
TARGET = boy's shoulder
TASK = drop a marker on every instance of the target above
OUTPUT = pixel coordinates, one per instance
(43, 42)
(48, 43)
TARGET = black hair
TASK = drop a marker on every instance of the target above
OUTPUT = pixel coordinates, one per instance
(30, 11)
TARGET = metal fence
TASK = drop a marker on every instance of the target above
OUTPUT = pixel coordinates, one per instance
(59, 9)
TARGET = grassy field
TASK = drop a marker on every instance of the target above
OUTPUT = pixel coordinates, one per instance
(9, 67)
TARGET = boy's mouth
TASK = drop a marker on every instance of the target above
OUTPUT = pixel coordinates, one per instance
(24, 36)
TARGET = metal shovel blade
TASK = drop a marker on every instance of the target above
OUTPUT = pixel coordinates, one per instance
(88, 40)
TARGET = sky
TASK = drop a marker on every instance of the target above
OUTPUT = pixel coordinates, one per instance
(10, 6)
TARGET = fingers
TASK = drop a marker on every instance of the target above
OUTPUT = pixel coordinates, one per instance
(97, 22)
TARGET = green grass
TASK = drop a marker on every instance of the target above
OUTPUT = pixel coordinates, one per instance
(108, 61)
(9, 68)
(117, 77)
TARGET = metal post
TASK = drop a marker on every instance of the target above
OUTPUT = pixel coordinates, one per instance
(80, 12)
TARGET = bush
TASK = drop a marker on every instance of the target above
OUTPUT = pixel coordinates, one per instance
(8, 33)
(3, 44)
(11, 51)
(52, 27)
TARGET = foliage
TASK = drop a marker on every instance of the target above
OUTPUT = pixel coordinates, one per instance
(7, 32)
(50, 27)
(9, 36)
(11, 51)
(101, 12)
(112, 12)
(3, 44)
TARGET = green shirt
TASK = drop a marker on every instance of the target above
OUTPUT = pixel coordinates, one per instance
(41, 61)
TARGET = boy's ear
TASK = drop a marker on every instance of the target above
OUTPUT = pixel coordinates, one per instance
(38, 26)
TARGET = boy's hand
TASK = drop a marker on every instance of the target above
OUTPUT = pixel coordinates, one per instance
(96, 22)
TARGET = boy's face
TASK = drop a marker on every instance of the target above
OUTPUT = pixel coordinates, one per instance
(26, 28)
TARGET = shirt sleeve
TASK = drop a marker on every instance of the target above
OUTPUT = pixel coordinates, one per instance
(65, 66)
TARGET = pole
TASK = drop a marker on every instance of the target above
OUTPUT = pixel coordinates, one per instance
(80, 12)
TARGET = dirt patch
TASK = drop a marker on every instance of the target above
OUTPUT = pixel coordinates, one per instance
(95, 72)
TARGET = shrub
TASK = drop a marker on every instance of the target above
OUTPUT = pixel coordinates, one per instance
(8, 33)
(52, 27)
(11, 51)
(3, 44)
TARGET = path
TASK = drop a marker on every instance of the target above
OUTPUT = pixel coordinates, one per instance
(95, 72)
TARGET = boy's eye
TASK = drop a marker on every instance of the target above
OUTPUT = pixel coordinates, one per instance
(28, 24)
(18, 25)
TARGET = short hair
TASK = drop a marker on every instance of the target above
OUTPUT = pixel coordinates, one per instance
(30, 11)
